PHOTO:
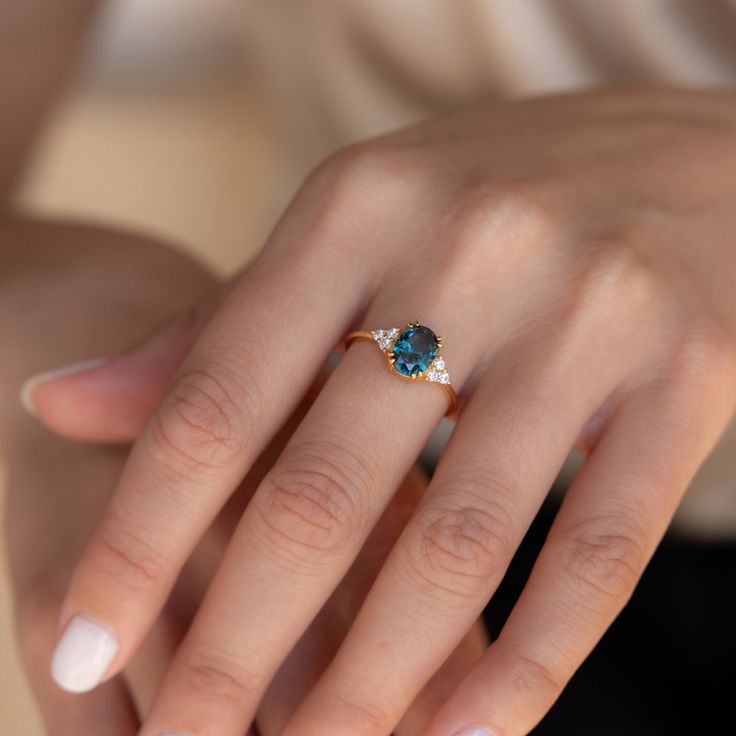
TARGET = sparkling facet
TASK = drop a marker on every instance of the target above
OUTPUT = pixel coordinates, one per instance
(384, 343)
(432, 375)
(439, 364)
(393, 333)
(445, 378)
(378, 334)
(414, 350)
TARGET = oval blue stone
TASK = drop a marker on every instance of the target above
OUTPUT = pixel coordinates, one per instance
(414, 350)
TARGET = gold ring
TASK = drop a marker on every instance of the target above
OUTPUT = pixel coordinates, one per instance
(413, 353)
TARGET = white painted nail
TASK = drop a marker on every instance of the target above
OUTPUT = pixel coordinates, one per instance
(27, 389)
(474, 731)
(83, 655)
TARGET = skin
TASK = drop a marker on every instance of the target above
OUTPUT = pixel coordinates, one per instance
(577, 255)
(57, 489)
(31, 82)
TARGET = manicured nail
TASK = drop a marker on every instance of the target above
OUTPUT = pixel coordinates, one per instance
(474, 731)
(27, 389)
(83, 655)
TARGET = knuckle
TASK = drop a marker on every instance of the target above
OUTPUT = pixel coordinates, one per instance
(704, 357)
(363, 715)
(523, 206)
(514, 210)
(122, 555)
(214, 675)
(611, 287)
(200, 426)
(488, 217)
(345, 162)
(530, 675)
(336, 178)
(360, 163)
(315, 498)
(360, 179)
(462, 546)
(335, 202)
(602, 561)
(617, 273)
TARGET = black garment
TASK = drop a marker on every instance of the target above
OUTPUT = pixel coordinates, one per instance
(667, 666)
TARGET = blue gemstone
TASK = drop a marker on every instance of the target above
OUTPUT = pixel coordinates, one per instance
(414, 350)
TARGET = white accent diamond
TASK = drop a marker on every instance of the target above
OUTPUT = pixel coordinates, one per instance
(393, 333)
(384, 343)
(432, 375)
(445, 378)
(439, 363)
(378, 334)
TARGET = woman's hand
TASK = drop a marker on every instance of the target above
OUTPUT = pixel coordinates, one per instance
(577, 255)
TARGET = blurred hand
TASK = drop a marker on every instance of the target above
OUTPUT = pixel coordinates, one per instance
(577, 255)
(112, 291)
(68, 291)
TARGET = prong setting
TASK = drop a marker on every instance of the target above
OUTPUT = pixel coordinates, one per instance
(434, 372)
(412, 353)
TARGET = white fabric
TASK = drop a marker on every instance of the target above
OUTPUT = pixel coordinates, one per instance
(351, 68)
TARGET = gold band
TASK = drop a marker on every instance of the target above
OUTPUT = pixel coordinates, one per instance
(382, 339)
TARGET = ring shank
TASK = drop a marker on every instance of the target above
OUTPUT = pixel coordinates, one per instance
(365, 335)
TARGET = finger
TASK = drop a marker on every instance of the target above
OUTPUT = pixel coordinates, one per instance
(247, 371)
(146, 671)
(316, 648)
(109, 400)
(108, 710)
(493, 476)
(610, 523)
(310, 657)
(425, 706)
(297, 539)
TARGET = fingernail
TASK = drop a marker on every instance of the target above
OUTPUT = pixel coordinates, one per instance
(83, 655)
(474, 731)
(27, 389)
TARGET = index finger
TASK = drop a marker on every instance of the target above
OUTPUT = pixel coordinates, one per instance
(243, 377)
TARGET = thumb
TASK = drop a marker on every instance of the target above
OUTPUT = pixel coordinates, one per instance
(109, 399)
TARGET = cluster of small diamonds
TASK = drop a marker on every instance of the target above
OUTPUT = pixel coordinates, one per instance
(384, 338)
(437, 372)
